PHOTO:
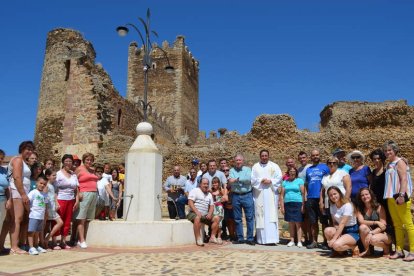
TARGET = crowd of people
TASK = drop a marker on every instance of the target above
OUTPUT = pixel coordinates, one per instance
(40, 202)
(359, 208)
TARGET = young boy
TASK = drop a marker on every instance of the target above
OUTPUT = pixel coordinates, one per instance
(38, 201)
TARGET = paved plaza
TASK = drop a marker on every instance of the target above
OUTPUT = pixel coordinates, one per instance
(227, 259)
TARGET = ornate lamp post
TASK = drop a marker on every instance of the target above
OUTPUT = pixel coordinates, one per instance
(146, 61)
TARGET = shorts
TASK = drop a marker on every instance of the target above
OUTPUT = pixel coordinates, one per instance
(293, 212)
(191, 216)
(353, 231)
(15, 194)
(52, 215)
(35, 225)
(312, 210)
(87, 206)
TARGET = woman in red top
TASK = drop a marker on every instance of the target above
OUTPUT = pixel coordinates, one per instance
(87, 196)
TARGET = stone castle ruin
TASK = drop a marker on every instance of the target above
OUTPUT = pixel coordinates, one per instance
(80, 110)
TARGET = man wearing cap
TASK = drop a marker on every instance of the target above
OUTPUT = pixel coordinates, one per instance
(174, 186)
(194, 165)
(341, 155)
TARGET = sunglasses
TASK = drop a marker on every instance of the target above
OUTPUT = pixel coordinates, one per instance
(355, 157)
(226, 170)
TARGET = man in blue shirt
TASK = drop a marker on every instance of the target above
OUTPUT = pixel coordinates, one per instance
(241, 187)
(314, 176)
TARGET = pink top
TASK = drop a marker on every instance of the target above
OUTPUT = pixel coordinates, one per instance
(87, 181)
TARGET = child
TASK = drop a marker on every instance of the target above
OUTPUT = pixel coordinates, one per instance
(217, 194)
(38, 201)
(53, 217)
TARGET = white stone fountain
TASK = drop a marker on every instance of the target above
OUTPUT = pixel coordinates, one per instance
(144, 225)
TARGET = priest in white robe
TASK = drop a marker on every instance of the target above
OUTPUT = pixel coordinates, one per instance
(266, 179)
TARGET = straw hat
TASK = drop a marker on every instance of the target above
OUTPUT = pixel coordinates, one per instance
(355, 153)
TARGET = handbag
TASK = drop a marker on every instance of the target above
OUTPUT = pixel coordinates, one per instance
(406, 199)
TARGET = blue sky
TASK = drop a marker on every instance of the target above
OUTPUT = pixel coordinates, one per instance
(255, 57)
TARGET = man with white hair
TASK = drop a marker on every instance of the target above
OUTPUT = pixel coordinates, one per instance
(241, 187)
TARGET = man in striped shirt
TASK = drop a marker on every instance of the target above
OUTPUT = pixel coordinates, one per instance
(201, 211)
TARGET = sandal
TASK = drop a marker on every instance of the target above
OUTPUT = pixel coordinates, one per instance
(65, 246)
(409, 258)
(17, 252)
(355, 252)
(56, 247)
(396, 255)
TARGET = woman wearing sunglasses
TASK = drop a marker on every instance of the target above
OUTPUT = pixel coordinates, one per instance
(361, 176)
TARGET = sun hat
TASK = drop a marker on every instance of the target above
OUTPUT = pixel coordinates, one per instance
(355, 153)
(336, 151)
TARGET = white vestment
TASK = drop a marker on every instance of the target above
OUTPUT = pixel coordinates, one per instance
(266, 201)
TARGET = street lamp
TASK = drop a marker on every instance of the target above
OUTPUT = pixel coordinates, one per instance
(146, 61)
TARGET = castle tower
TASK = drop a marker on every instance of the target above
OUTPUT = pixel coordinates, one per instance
(174, 95)
(65, 50)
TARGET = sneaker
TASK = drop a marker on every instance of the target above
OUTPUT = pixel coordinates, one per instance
(83, 245)
(200, 242)
(290, 244)
(41, 250)
(324, 246)
(299, 244)
(237, 242)
(219, 241)
(312, 245)
(33, 251)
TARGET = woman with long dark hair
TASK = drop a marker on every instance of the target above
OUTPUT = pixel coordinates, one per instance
(372, 223)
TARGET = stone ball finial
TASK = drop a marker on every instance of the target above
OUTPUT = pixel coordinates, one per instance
(144, 128)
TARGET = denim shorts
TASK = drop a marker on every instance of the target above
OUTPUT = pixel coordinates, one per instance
(35, 225)
(353, 231)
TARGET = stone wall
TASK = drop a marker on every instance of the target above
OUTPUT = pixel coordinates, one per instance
(349, 125)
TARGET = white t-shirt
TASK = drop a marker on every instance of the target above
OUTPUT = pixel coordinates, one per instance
(346, 210)
(201, 200)
(333, 180)
(103, 195)
(107, 176)
(66, 186)
(38, 203)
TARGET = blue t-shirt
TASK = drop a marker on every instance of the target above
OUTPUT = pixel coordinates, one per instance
(292, 190)
(4, 183)
(359, 179)
(314, 176)
(345, 167)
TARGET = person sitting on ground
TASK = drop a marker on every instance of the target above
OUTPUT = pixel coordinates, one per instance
(217, 193)
(372, 223)
(38, 201)
(53, 219)
(201, 212)
(292, 201)
(344, 234)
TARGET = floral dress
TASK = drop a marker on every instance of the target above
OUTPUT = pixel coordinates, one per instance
(218, 207)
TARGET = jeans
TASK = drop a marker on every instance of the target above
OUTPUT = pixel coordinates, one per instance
(181, 202)
(244, 201)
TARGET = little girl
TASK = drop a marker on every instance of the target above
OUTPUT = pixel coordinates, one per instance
(53, 218)
(217, 194)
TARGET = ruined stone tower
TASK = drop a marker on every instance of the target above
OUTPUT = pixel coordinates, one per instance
(79, 108)
(174, 95)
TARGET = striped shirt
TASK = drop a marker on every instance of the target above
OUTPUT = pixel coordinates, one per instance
(201, 200)
(392, 180)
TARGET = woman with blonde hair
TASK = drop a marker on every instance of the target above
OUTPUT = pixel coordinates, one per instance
(344, 234)
(398, 190)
